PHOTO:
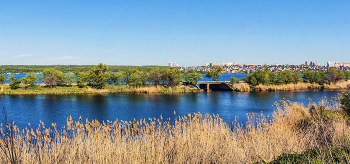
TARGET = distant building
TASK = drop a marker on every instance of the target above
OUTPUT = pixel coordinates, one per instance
(331, 63)
(229, 63)
(312, 63)
(170, 64)
(342, 64)
(277, 64)
(221, 64)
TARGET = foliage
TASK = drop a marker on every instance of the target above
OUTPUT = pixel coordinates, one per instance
(80, 78)
(337, 153)
(334, 74)
(260, 77)
(192, 77)
(172, 77)
(2, 79)
(30, 79)
(214, 73)
(15, 84)
(128, 73)
(98, 76)
(233, 80)
(11, 78)
(345, 102)
(117, 78)
(51, 77)
(69, 79)
(137, 79)
(155, 76)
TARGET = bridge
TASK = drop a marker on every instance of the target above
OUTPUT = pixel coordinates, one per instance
(214, 85)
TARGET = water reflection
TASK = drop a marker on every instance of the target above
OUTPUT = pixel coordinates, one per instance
(56, 108)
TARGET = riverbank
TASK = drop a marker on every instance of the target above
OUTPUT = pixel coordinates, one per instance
(150, 89)
(244, 87)
(195, 138)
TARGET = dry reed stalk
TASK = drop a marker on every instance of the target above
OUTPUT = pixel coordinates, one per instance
(195, 138)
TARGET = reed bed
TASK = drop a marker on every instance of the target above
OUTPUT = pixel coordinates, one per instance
(195, 138)
(287, 87)
(302, 86)
(108, 89)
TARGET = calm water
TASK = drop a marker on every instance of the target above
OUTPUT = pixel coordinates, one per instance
(24, 109)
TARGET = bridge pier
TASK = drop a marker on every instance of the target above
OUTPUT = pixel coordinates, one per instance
(214, 85)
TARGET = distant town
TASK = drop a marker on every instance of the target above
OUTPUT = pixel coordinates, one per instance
(233, 67)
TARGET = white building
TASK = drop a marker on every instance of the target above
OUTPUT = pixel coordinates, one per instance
(220, 64)
(170, 64)
(331, 63)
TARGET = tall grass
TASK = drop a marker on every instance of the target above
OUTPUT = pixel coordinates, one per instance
(108, 89)
(195, 138)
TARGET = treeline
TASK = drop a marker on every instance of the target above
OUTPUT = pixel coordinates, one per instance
(267, 77)
(100, 75)
(24, 69)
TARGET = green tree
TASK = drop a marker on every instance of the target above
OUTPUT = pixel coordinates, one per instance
(272, 76)
(233, 80)
(80, 78)
(345, 102)
(319, 77)
(11, 78)
(69, 79)
(172, 77)
(193, 77)
(155, 76)
(346, 75)
(2, 81)
(117, 78)
(98, 76)
(282, 77)
(334, 74)
(30, 79)
(51, 77)
(298, 77)
(214, 73)
(253, 81)
(14, 83)
(309, 76)
(128, 73)
(137, 79)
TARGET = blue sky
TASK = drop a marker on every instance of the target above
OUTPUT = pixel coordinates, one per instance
(190, 33)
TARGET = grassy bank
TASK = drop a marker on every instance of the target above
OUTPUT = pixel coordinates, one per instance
(244, 87)
(108, 89)
(292, 129)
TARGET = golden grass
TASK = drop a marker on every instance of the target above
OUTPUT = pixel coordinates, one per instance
(287, 87)
(339, 85)
(196, 138)
(108, 89)
(302, 86)
(242, 87)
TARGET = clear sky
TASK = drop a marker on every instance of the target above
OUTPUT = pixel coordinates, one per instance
(190, 33)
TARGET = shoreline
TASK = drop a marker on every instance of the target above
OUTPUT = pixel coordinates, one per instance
(67, 90)
(151, 89)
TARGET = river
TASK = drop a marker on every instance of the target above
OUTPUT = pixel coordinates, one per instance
(24, 109)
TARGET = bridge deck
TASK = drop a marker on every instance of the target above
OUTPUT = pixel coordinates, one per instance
(210, 82)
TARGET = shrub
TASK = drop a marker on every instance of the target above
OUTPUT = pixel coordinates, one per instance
(15, 84)
(345, 102)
